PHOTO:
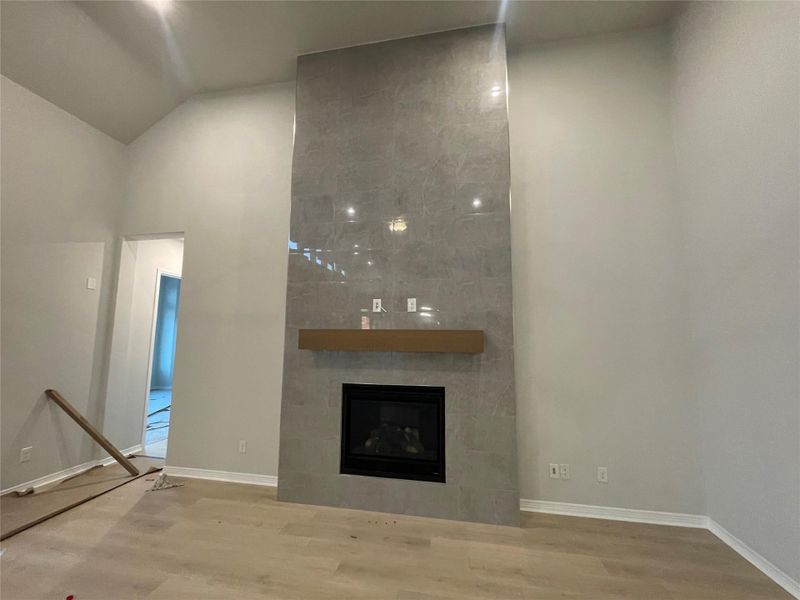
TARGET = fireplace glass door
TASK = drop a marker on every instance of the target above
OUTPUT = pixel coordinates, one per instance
(393, 431)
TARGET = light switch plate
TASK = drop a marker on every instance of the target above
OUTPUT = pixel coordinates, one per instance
(376, 305)
(91, 283)
(25, 454)
(412, 305)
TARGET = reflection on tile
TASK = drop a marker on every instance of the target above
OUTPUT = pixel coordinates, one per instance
(400, 189)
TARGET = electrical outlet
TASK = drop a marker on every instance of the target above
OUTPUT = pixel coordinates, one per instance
(242, 446)
(564, 471)
(555, 472)
(412, 305)
(602, 474)
(25, 454)
(376, 305)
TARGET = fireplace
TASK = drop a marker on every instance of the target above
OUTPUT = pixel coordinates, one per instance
(468, 280)
(393, 431)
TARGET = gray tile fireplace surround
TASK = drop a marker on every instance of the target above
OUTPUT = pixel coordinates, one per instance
(400, 190)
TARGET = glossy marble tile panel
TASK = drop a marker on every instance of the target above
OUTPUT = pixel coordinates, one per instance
(400, 189)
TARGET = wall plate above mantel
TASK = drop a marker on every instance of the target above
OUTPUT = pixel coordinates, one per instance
(461, 341)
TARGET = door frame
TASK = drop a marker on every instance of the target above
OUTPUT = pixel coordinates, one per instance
(151, 349)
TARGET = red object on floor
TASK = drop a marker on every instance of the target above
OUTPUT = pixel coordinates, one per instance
(70, 597)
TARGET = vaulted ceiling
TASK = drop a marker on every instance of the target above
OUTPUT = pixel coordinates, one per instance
(122, 65)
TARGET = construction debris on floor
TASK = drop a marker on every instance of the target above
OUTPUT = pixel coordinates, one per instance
(28, 507)
(164, 483)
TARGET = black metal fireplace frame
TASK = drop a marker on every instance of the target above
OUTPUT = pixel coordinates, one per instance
(387, 466)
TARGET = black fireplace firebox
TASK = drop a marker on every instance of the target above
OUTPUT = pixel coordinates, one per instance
(393, 431)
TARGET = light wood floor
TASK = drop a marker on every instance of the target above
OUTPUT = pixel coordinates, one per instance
(217, 540)
(17, 512)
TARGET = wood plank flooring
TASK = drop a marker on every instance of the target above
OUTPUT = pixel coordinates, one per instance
(217, 540)
(18, 512)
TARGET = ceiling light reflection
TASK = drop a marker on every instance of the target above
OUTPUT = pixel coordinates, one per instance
(161, 6)
(398, 225)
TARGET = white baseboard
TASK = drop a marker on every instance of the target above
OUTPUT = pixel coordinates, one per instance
(228, 476)
(761, 563)
(52, 477)
(666, 518)
(70, 472)
(615, 514)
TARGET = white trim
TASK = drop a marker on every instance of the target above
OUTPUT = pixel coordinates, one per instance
(228, 476)
(70, 472)
(761, 563)
(666, 518)
(614, 514)
(52, 477)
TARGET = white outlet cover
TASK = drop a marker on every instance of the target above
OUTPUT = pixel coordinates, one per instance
(564, 471)
(25, 454)
(376, 305)
(91, 283)
(412, 305)
(602, 474)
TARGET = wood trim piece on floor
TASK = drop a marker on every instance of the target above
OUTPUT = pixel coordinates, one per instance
(70, 472)
(227, 476)
(666, 518)
(63, 509)
(109, 460)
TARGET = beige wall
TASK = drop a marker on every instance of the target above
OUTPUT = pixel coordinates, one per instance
(62, 189)
(599, 287)
(595, 219)
(737, 125)
(218, 168)
(133, 328)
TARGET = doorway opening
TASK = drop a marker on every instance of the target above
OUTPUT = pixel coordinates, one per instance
(162, 362)
(140, 394)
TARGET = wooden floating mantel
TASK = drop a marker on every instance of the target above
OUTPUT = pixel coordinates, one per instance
(461, 341)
